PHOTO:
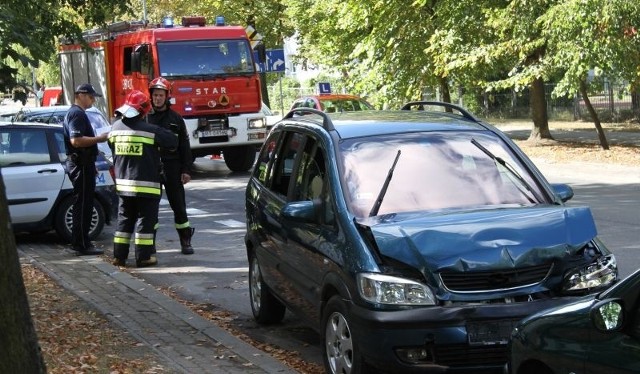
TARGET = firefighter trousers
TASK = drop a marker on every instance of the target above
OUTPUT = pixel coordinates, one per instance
(175, 192)
(139, 214)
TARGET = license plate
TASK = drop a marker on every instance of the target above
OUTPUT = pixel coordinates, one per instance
(260, 135)
(489, 332)
(204, 134)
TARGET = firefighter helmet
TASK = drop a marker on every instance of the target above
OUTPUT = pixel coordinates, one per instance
(137, 103)
(160, 83)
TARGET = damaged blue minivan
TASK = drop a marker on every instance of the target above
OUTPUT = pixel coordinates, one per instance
(411, 240)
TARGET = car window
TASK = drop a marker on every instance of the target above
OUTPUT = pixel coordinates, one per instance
(297, 104)
(24, 147)
(61, 146)
(283, 166)
(344, 105)
(266, 111)
(311, 181)
(310, 176)
(52, 116)
(434, 171)
(310, 103)
(97, 119)
(267, 155)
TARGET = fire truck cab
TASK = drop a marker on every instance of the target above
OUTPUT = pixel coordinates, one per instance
(215, 84)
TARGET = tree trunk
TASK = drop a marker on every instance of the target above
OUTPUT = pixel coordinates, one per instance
(594, 115)
(445, 94)
(18, 340)
(538, 104)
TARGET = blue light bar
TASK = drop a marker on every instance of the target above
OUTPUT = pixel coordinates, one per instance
(219, 21)
(167, 22)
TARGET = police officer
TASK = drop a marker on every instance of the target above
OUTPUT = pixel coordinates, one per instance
(176, 164)
(136, 156)
(81, 143)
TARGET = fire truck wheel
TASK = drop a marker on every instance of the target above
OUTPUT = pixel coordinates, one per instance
(240, 158)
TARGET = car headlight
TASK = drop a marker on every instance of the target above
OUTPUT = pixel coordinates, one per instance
(256, 123)
(601, 273)
(385, 289)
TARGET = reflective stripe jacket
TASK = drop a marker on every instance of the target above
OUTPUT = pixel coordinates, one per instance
(135, 146)
(171, 120)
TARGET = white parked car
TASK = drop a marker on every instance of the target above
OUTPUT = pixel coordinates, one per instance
(55, 114)
(38, 190)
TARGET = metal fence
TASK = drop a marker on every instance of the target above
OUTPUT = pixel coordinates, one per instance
(611, 102)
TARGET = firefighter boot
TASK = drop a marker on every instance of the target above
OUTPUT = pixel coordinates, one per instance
(153, 250)
(185, 240)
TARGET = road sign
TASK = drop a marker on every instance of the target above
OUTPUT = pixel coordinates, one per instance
(275, 60)
(259, 65)
(254, 36)
(324, 88)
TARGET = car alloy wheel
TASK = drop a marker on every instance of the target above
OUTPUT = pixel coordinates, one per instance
(340, 351)
(265, 307)
(64, 219)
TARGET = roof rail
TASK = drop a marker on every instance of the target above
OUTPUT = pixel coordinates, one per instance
(460, 109)
(326, 121)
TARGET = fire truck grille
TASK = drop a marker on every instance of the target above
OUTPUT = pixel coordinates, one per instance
(213, 123)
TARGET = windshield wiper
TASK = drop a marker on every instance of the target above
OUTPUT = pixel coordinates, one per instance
(383, 191)
(510, 169)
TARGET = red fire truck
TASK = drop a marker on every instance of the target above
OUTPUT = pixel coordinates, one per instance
(216, 87)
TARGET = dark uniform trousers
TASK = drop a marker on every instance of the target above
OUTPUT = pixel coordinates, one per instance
(144, 212)
(174, 188)
(83, 178)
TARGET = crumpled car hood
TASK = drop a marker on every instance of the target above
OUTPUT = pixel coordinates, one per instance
(484, 239)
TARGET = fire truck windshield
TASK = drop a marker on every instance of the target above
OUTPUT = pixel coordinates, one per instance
(203, 58)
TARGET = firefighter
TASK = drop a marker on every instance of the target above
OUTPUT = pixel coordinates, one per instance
(136, 149)
(176, 164)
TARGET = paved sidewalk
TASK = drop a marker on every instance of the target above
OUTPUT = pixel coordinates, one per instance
(185, 340)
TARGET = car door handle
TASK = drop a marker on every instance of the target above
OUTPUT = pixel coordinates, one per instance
(47, 171)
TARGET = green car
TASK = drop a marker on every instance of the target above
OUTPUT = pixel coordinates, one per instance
(597, 334)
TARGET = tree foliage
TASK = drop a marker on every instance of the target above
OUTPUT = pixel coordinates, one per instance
(393, 51)
(266, 16)
(29, 30)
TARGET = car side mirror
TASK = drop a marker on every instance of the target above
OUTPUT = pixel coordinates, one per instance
(300, 211)
(607, 315)
(563, 191)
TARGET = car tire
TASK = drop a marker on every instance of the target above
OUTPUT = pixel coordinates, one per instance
(265, 307)
(240, 158)
(340, 351)
(63, 219)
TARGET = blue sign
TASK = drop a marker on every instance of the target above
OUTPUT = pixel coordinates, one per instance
(274, 61)
(324, 88)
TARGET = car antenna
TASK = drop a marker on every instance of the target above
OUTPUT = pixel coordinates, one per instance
(383, 191)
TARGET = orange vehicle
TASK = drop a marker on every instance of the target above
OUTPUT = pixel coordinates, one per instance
(211, 69)
(332, 103)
